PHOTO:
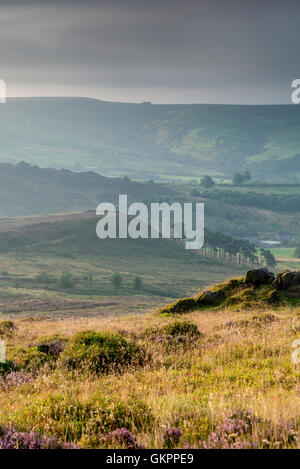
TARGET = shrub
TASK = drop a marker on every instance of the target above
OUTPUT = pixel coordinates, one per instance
(43, 278)
(52, 347)
(7, 328)
(178, 328)
(171, 437)
(67, 281)
(6, 368)
(116, 280)
(99, 352)
(137, 283)
(10, 438)
(121, 438)
(30, 359)
(17, 378)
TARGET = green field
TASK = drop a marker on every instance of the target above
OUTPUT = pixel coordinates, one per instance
(283, 252)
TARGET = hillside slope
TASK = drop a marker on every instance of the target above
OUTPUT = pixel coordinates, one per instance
(30, 190)
(148, 141)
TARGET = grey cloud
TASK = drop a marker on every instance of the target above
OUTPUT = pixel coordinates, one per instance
(202, 48)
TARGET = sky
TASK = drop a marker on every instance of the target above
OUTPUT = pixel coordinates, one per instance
(166, 51)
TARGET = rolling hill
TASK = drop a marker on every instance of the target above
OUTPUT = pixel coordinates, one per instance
(30, 190)
(148, 141)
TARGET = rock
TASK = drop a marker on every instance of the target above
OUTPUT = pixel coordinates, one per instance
(257, 277)
(285, 280)
(209, 298)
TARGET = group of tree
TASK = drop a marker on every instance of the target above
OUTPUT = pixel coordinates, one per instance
(235, 251)
(297, 252)
(287, 203)
(117, 280)
(207, 182)
(239, 178)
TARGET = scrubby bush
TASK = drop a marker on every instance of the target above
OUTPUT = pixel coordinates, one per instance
(171, 437)
(52, 347)
(174, 334)
(17, 378)
(67, 281)
(10, 438)
(28, 358)
(179, 328)
(43, 278)
(7, 328)
(100, 352)
(121, 438)
(116, 280)
(137, 283)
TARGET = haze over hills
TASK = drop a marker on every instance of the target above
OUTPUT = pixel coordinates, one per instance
(29, 190)
(150, 141)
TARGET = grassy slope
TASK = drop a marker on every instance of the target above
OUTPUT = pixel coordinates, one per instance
(151, 140)
(71, 245)
(30, 190)
(190, 387)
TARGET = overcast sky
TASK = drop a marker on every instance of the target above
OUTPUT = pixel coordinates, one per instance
(166, 51)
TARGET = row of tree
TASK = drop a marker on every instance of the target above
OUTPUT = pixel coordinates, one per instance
(238, 179)
(288, 203)
(235, 251)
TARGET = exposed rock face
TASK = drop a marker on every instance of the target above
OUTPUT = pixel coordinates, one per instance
(257, 277)
(286, 280)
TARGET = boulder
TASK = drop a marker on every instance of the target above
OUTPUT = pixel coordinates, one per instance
(286, 280)
(257, 277)
(209, 298)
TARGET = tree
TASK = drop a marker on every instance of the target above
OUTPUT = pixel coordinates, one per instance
(267, 258)
(247, 176)
(137, 283)
(297, 252)
(67, 280)
(207, 182)
(237, 179)
(240, 178)
(116, 280)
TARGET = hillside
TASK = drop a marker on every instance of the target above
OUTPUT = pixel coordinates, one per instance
(226, 379)
(30, 190)
(148, 141)
(35, 252)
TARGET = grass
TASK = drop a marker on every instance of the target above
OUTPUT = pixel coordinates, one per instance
(232, 365)
(30, 269)
(283, 252)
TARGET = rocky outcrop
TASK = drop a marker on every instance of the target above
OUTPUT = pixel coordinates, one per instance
(286, 280)
(209, 298)
(257, 277)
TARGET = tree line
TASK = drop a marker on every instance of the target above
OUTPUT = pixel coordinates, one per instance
(235, 251)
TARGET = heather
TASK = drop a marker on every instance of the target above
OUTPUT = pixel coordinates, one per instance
(210, 379)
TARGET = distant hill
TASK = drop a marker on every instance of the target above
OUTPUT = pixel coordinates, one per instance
(149, 141)
(30, 190)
